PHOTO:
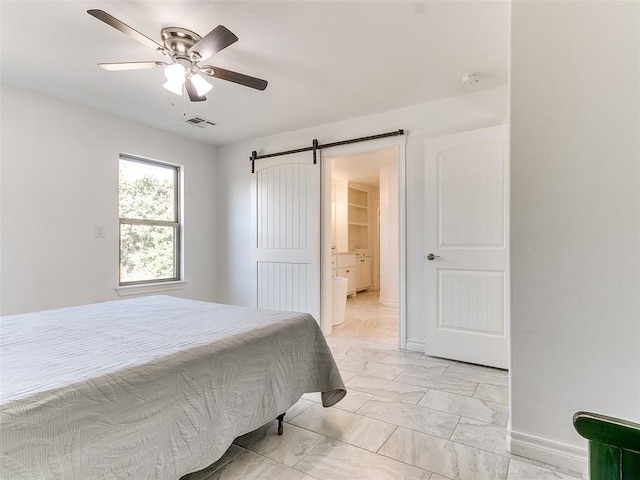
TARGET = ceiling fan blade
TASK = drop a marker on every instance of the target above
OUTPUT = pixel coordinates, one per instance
(235, 77)
(191, 90)
(130, 65)
(124, 28)
(214, 41)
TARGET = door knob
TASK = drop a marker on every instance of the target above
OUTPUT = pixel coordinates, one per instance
(431, 256)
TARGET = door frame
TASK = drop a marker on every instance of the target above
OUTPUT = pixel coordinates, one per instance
(400, 143)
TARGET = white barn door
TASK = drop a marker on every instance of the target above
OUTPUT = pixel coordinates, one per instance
(466, 246)
(286, 226)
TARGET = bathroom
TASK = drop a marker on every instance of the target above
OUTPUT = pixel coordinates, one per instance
(364, 228)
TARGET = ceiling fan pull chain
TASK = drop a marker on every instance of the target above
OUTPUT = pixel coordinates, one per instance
(184, 101)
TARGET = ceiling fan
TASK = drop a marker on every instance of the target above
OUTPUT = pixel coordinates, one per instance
(184, 49)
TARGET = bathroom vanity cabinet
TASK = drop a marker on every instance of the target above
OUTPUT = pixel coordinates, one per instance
(363, 273)
(345, 266)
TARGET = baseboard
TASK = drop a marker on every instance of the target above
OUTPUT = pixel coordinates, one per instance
(415, 346)
(387, 303)
(548, 451)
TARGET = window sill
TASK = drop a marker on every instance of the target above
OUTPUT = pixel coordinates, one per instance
(127, 290)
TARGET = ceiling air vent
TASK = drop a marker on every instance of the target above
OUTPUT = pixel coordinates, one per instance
(199, 122)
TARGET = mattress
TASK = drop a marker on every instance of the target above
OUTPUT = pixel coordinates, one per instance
(148, 388)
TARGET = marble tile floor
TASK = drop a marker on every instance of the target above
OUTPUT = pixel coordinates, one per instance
(406, 416)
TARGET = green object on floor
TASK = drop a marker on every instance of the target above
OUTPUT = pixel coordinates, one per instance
(614, 446)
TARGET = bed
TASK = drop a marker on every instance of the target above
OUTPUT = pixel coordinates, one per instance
(149, 388)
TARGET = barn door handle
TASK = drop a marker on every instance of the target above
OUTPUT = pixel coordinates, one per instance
(431, 256)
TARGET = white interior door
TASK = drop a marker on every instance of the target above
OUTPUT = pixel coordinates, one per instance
(467, 247)
(286, 221)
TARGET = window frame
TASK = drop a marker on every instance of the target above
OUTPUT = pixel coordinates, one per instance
(177, 224)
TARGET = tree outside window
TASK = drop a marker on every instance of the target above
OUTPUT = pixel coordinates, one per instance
(149, 221)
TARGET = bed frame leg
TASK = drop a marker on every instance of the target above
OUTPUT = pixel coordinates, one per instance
(280, 427)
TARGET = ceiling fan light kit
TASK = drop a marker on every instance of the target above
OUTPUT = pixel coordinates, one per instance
(174, 72)
(184, 49)
(202, 86)
(177, 75)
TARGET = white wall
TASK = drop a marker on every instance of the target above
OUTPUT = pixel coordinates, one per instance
(389, 237)
(60, 179)
(575, 263)
(468, 112)
(374, 235)
(341, 215)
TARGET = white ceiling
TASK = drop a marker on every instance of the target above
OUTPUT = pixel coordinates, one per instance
(363, 168)
(325, 61)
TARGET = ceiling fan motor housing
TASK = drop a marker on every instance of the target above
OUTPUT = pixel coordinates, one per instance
(178, 40)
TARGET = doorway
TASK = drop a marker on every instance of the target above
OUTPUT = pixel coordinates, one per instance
(364, 232)
(364, 238)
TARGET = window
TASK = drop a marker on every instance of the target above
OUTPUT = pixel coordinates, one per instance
(149, 221)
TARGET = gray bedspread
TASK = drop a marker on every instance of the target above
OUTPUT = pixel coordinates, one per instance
(148, 388)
